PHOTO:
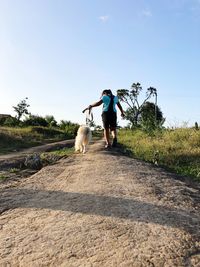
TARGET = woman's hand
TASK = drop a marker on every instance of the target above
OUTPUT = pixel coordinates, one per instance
(88, 108)
(122, 114)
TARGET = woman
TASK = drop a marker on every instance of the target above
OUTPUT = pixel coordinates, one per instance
(109, 115)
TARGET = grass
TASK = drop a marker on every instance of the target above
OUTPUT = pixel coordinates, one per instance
(65, 152)
(12, 139)
(14, 170)
(177, 149)
(53, 156)
(2, 177)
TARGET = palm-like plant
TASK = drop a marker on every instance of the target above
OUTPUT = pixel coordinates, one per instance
(130, 97)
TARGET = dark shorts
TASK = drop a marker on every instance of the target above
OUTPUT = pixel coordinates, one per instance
(109, 120)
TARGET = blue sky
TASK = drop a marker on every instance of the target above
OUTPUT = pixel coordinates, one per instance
(62, 54)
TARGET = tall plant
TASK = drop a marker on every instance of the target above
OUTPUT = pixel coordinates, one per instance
(21, 108)
(131, 98)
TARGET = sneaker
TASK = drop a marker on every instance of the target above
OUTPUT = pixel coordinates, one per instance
(107, 146)
(114, 143)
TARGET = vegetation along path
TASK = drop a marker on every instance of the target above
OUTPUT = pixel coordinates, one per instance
(100, 209)
(15, 158)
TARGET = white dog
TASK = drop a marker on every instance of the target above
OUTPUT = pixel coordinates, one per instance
(83, 138)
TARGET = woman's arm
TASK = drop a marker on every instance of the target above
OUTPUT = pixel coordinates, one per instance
(96, 104)
(121, 109)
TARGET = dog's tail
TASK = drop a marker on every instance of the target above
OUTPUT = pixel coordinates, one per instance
(83, 138)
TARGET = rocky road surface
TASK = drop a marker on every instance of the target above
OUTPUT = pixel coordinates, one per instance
(100, 209)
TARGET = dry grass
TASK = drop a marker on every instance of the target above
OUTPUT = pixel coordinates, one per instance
(177, 149)
(12, 139)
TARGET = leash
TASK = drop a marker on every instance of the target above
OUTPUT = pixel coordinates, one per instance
(89, 117)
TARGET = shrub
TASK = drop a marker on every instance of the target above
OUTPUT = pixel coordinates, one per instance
(11, 122)
(35, 120)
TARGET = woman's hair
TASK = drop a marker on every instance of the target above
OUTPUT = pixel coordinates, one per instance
(107, 92)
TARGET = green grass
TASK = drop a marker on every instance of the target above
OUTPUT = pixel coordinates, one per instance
(65, 152)
(2, 177)
(53, 156)
(12, 139)
(177, 149)
(14, 170)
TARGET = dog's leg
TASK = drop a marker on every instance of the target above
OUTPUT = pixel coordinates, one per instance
(84, 149)
(81, 148)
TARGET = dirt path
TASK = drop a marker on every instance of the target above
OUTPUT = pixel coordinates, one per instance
(100, 209)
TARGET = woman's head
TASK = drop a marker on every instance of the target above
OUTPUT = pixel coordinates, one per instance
(107, 92)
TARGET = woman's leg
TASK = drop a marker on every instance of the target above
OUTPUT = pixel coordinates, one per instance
(113, 129)
(114, 135)
(105, 119)
(113, 132)
(107, 136)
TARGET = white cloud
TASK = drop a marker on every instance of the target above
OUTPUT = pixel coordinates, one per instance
(146, 13)
(104, 18)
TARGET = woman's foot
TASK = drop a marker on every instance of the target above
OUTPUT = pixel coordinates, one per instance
(114, 143)
(107, 146)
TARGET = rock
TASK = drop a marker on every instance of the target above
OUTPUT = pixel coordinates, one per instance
(33, 162)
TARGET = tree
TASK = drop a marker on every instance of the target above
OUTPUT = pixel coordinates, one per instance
(21, 109)
(35, 120)
(150, 120)
(69, 127)
(131, 98)
(64, 123)
(51, 120)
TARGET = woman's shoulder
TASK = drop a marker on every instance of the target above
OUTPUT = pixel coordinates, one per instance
(105, 97)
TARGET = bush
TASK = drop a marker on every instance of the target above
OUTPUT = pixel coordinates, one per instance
(35, 120)
(6, 120)
(46, 132)
(69, 127)
(11, 122)
(71, 130)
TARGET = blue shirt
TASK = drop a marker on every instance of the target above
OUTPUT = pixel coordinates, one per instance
(106, 101)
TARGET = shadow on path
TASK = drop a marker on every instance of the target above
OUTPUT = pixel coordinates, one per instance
(107, 206)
